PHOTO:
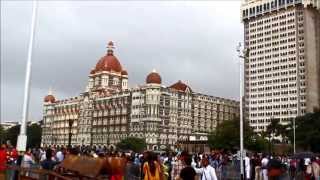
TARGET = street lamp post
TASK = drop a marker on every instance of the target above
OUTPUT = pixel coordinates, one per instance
(294, 135)
(70, 132)
(294, 132)
(243, 55)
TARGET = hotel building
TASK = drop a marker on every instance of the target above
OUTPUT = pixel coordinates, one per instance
(109, 111)
(282, 71)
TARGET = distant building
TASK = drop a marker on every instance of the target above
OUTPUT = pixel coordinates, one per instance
(109, 111)
(282, 73)
(8, 125)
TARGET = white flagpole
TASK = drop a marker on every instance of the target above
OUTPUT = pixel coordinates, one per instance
(22, 138)
(243, 55)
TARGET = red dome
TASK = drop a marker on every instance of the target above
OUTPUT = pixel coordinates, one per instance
(49, 98)
(153, 78)
(124, 72)
(109, 62)
(180, 86)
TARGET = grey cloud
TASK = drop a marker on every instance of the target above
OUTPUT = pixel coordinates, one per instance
(189, 41)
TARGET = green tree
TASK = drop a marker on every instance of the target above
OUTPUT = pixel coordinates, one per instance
(308, 131)
(132, 143)
(275, 129)
(2, 135)
(33, 135)
(12, 134)
(226, 136)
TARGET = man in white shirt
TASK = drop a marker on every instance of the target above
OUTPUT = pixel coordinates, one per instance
(206, 172)
(264, 165)
(247, 167)
(59, 156)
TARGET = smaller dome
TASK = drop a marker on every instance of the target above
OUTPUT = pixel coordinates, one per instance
(153, 78)
(180, 86)
(50, 98)
(92, 71)
(124, 72)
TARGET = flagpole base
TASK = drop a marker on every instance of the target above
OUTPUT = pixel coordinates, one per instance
(22, 143)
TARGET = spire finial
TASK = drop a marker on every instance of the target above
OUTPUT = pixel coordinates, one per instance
(50, 91)
(154, 70)
(110, 48)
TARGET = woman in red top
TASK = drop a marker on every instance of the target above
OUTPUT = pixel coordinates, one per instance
(3, 161)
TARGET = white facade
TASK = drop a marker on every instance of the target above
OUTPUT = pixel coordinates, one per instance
(282, 76)
(109, 111)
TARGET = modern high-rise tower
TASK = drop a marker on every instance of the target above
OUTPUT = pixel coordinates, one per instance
(282, 72)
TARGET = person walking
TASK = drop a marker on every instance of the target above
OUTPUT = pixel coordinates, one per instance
(27, 160)
(3, 161)
(293, 168)
(274, 169)
(60, 155)
(187, 173)
(178, 165)
(256, 172)
(315, 169)
(48, 163)
(308, 171)
(264, 167)
(206, 172)
(151, 168)
(247, 167)
(12, 156)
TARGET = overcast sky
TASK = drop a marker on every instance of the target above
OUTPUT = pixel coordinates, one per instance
(189, 41)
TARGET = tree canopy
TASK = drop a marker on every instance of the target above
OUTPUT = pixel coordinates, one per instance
(2, 134)
(308, 131)
(12, 134)
(33, 135)
(276, 129)
(226, 136)
(34, 132)
(132, 143)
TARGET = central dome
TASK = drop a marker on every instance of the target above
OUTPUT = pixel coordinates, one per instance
(109, 62)
(153, 78)
(49, 98)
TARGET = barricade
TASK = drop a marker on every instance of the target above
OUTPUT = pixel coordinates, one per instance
(35, 174)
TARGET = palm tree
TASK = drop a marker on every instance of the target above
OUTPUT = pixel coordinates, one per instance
(275, 129)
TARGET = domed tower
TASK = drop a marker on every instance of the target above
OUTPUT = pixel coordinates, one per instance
(152, 108)
(48, 109)
(48, 99)
(108, 73)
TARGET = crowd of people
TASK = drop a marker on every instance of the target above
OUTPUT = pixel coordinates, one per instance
(170, 165)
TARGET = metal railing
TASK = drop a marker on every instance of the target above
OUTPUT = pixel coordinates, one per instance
(20, 173)
(228, 172)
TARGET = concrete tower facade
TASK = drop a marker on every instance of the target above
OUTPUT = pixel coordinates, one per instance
(282, 72)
